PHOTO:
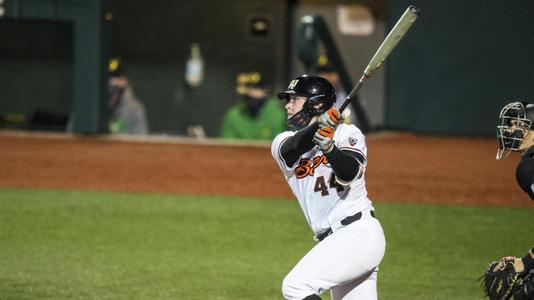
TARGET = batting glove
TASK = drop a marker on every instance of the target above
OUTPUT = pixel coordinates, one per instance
(330, 118)
(324, 138)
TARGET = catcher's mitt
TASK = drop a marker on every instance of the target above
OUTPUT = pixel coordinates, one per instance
(499, 279)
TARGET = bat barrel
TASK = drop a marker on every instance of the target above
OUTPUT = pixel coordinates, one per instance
(414, 9)
(390, 42)
(392, 39)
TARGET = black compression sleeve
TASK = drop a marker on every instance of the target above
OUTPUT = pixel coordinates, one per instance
(300, 143)
(346, 164)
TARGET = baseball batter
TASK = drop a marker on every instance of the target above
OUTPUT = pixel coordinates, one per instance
(324, 163)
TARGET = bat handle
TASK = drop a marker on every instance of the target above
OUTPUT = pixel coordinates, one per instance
(353, 92)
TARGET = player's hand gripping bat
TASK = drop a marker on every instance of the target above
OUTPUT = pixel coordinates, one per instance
(395, 35)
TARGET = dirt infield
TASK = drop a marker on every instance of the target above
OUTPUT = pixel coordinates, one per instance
(401, 168)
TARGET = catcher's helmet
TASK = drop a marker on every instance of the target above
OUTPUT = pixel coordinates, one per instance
(516, 120)
(320, 96)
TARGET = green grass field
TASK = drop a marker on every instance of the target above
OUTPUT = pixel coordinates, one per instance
(96, 245)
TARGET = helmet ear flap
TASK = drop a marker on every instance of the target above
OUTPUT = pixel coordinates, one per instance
(315, 106)
(309, 108)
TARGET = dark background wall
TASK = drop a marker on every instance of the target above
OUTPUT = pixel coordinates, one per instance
(450, 75)
(460, 63)
(154, 37)
(35, 67)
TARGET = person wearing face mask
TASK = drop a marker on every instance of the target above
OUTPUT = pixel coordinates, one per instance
(128, 115)
(125, 113)
(256, 116)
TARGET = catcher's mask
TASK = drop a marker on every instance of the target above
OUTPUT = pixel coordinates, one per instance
(320, 96)
(516, 122)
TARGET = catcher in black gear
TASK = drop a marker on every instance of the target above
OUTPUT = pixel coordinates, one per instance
(516, 133)
(510, 276)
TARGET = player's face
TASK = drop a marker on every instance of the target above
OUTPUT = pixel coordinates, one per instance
(294, 105)
(116, 86)
(515, 127)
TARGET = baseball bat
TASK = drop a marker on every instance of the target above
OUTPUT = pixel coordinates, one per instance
(390, 42)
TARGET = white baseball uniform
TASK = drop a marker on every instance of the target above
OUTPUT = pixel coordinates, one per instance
(346, 261)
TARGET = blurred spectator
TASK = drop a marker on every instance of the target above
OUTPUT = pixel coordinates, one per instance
(127, 113)
(256, 115)
(328, 72)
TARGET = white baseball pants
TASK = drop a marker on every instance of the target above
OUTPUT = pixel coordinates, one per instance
(346, 262)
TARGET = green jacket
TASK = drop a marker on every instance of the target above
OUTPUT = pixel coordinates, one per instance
(238, 123)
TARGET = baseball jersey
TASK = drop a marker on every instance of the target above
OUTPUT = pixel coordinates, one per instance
(324, 199)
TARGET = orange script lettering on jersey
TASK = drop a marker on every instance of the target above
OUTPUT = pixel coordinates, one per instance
(307, 166)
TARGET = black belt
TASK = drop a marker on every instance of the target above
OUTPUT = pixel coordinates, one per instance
(348, 220)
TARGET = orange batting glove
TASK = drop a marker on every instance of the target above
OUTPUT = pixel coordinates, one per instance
(330, 118)
(324, 138)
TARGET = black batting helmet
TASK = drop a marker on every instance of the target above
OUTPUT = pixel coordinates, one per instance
(318, 91)
(516, 120)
